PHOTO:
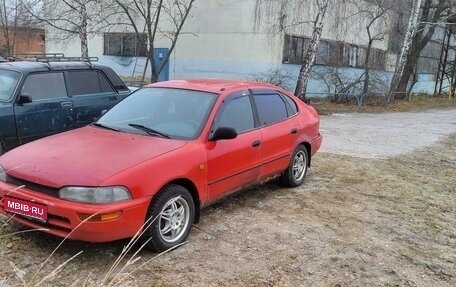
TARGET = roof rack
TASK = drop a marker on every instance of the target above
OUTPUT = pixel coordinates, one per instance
(33, 56)
(67, 59)
(51, 57)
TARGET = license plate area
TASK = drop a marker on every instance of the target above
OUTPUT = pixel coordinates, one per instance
(25, 208)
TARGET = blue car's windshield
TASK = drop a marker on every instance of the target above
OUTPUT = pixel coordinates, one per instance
(164, 112)
(8, 83)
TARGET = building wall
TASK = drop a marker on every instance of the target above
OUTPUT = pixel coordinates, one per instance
(220, 40)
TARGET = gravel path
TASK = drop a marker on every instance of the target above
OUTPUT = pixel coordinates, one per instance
(385, 135)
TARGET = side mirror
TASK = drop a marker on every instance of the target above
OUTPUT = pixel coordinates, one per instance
(224, 133)
(24, 99)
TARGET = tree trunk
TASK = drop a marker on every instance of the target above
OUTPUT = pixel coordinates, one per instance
(84, 45)
(366, 68)
(311, 54)
(83, 33)
(404, 68)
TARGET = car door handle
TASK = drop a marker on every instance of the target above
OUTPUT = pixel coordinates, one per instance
(256, 143)
(66, 104)
(294, 131)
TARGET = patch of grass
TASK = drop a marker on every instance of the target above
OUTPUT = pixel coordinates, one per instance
(417, 103)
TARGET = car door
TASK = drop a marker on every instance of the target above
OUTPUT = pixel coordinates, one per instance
(49, 111)
(279, 130)
(91, 93)
(234, 163)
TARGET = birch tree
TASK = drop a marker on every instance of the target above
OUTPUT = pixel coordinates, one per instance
(432, 14)
(68, 19)
(311, 53)
(411, 30)
(157, 18)
(278, 16)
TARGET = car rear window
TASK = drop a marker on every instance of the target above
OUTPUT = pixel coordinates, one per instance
(8, 84)
(88, 83)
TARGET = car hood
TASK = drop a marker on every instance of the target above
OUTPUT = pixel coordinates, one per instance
(87, 156)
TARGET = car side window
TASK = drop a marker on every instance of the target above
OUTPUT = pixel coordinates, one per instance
(237, 113)
(271, 108)
(104, 84)
(45, 86)
(87, 82)
(292, 107)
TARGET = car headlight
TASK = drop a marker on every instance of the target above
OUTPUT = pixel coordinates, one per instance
(95, 195)
(2, 174)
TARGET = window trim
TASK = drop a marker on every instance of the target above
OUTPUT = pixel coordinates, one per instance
(138, 49)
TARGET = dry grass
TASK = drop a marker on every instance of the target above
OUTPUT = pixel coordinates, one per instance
(355, 222)
(418, 103)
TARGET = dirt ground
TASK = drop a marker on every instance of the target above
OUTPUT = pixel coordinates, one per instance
(358, 220)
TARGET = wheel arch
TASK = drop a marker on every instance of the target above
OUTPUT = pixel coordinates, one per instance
(308, 148)
(191, 187)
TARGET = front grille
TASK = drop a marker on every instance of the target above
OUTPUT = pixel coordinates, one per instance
(33, 186)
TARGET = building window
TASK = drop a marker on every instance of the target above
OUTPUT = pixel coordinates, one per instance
(125, 44)
(353, 56)
(332, 53)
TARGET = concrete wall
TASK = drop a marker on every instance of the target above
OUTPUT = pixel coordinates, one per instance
(220, 40)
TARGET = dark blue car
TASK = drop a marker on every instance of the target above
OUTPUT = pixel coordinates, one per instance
(39, 99)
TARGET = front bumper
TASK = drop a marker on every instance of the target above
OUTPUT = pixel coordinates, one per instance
(63, 219)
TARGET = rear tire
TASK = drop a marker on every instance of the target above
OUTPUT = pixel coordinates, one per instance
(295, 174)
(172, 211)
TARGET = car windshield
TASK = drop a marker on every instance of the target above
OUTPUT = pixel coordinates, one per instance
(161, 112)
(8, 83)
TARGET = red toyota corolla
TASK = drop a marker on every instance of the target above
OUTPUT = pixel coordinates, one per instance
(161, 154)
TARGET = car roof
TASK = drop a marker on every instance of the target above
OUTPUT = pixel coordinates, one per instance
(29, 66)
(211, 85)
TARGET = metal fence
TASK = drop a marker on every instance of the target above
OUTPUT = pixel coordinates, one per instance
(359, 99)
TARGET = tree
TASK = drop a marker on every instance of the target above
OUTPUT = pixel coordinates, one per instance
(12, 17)
(432, 12)
(73, 18)
(8, 19)
(281, 15)
(375, 14)
(161, 18)
(411, 30)
(311, 53)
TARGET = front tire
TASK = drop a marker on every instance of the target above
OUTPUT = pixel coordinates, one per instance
(172, 211)
(296, 172)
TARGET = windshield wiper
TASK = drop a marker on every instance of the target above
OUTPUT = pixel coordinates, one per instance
(150, 131)
(105, 127)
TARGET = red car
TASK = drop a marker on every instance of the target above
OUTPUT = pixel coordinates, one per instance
(158, 157)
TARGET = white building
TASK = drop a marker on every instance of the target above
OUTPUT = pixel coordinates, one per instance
(227, 39)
